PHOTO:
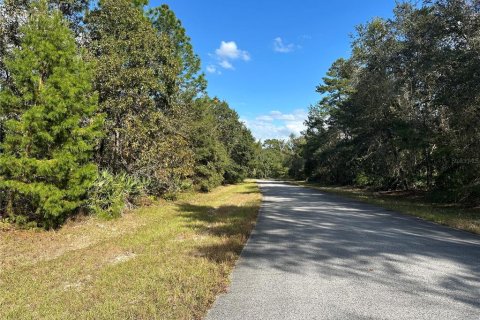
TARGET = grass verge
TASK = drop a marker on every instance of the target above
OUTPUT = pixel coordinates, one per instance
(167, 261)
(414, 204)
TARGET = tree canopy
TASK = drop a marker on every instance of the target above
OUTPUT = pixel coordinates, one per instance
(402, 112)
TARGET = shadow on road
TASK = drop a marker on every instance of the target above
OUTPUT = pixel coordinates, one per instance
(305, 232)
(300, 229)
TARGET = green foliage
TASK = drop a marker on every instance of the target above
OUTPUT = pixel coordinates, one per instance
(180, 67)
(211, 157)
(400, 113)
(362, 180)
(111, 194)
(123, 45)
(138, 70)
(13, 15)
(237, 141)
(277, 158)
(295, 162)
(142, 80)
(275, 155)
(45, 165)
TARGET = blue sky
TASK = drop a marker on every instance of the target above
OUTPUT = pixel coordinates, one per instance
(266, 57)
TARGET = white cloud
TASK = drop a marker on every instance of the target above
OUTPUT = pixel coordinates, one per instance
(277, 115)
(211, 69)
(281, 116)
(296, 127)
(226, 65)
(229, 52)
(264, 118)
(280, 46)
(276, 124)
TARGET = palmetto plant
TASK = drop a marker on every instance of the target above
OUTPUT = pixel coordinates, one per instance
(112, 194)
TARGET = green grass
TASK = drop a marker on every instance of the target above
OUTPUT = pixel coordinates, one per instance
(412, 204)
(167, 261)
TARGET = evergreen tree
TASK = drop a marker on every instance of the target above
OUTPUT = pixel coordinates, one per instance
(13, 15)
(179, 73)
(46, 165)
(123, 45)
(211, 157)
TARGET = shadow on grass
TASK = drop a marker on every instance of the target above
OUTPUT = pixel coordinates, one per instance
(250, 189)
(232, 225)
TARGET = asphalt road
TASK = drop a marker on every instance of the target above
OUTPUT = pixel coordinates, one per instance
(319, 256)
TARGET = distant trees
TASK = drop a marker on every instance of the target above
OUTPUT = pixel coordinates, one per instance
(237, 140)
(274, 157)
(403, 111)
(278, 158)
(211, 157)
(108, 85)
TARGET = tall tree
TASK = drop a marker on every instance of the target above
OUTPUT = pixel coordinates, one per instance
(143, 137)
(122, 44)
(46, 163)
(179, 75)
(13, 15)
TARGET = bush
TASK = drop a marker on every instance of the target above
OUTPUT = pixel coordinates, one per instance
(362, 180)
(234, 173)
(112, 194)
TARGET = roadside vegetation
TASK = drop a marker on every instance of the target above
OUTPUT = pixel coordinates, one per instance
(402, 112)
(103, 105)
(165, 261)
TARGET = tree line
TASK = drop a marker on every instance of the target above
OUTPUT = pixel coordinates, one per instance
(103, 104)
(403, 111)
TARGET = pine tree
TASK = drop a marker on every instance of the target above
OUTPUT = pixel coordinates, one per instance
(180, 66)
(46, 163)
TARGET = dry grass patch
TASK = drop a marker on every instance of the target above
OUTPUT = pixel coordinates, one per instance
(167, 261)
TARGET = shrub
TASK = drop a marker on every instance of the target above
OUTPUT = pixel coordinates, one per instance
(362, 180)
(112, 194)
(234, 173)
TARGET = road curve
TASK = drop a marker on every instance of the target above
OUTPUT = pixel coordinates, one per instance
(319, 256)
